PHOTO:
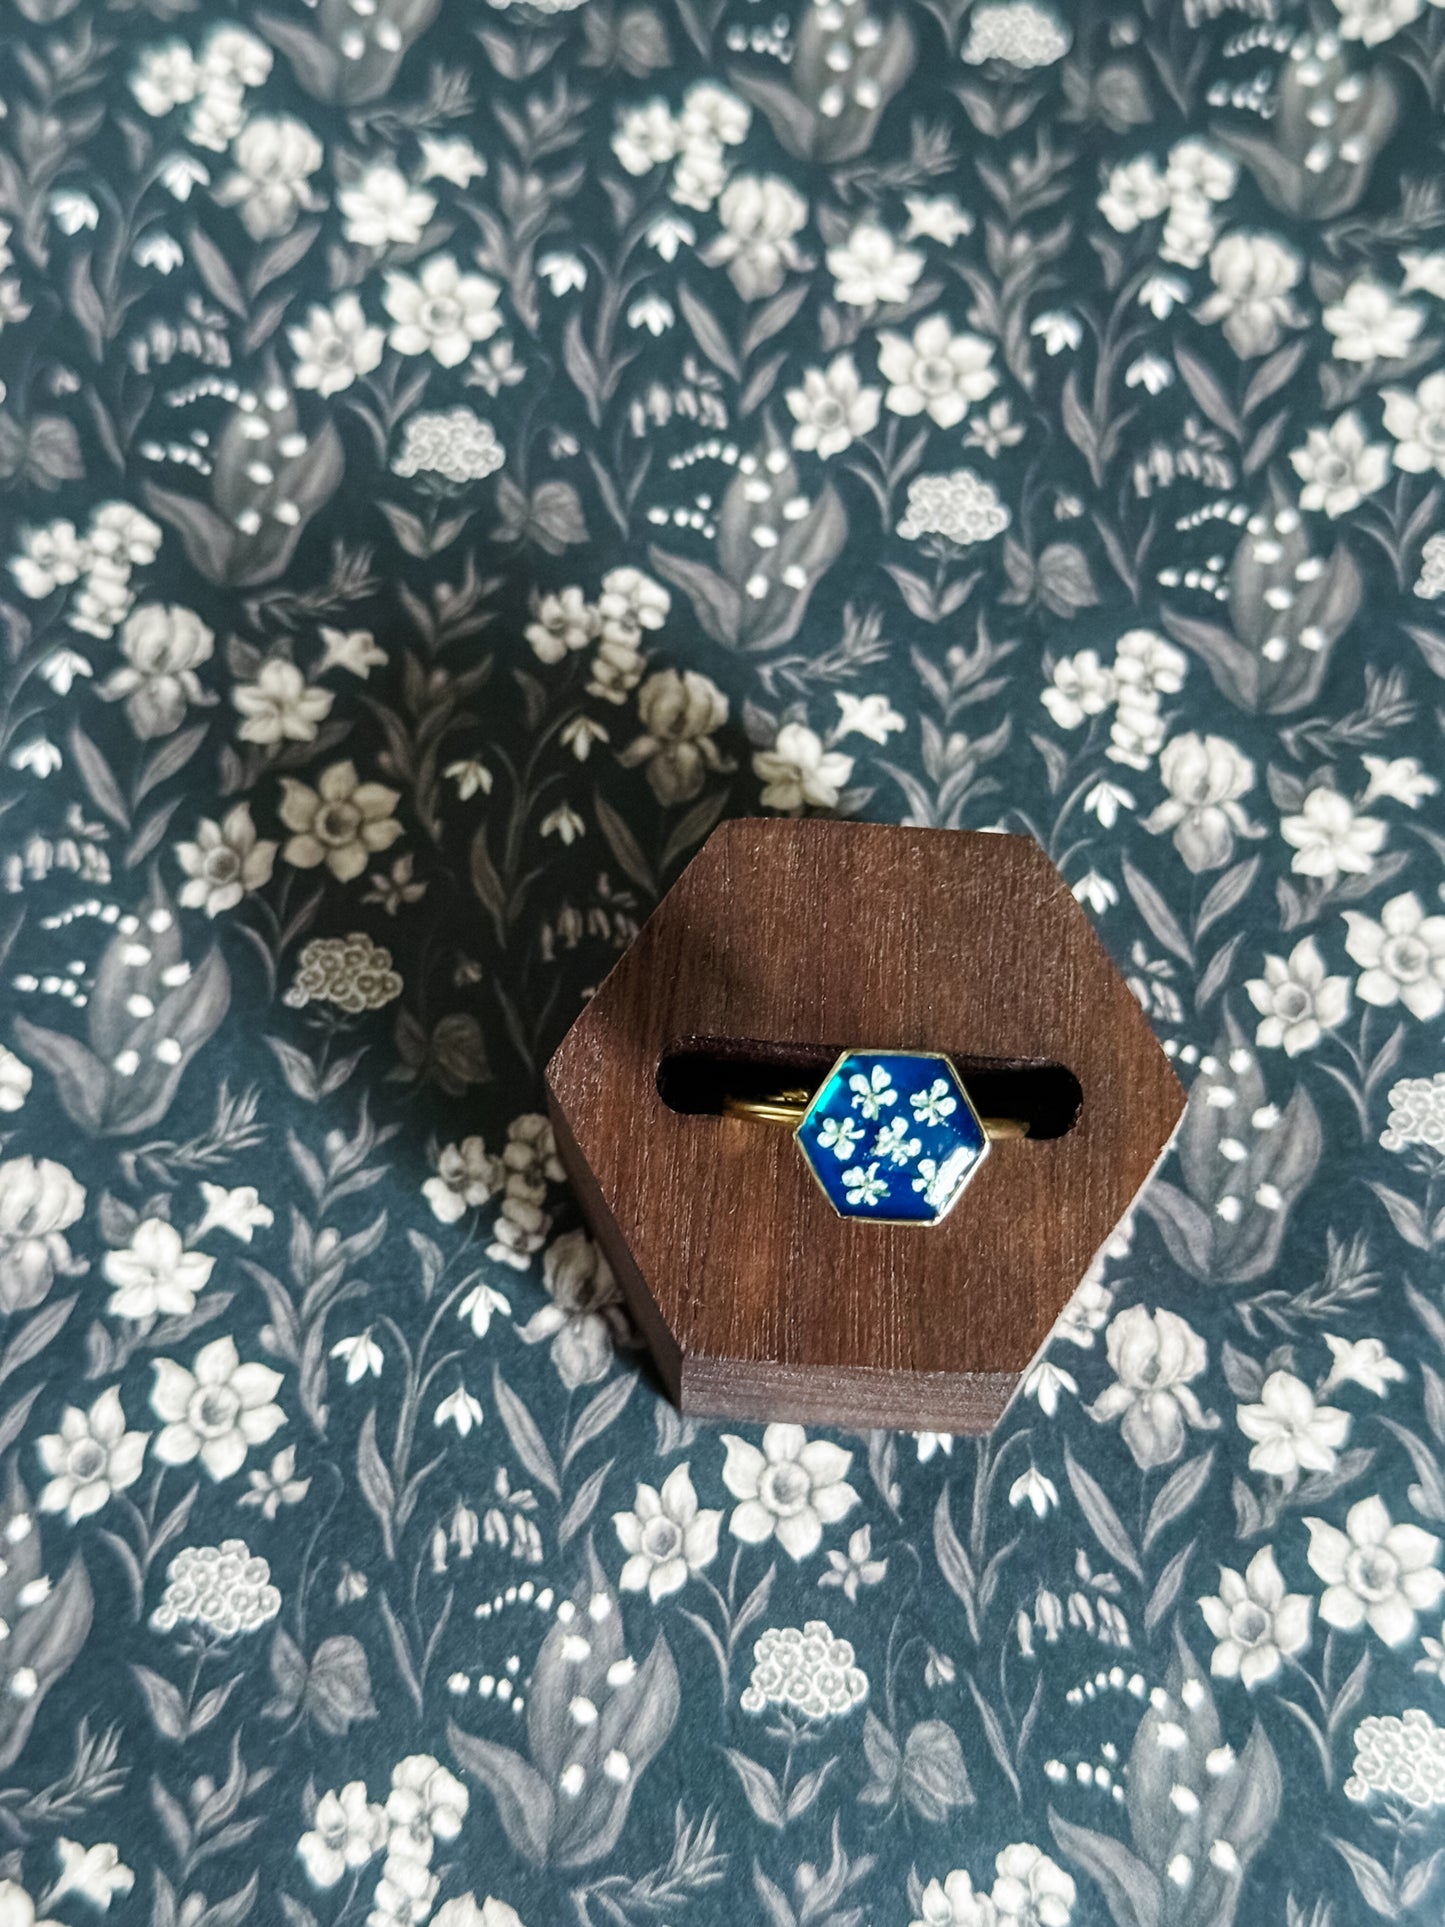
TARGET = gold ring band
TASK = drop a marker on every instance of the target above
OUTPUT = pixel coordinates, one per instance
(789, 1108)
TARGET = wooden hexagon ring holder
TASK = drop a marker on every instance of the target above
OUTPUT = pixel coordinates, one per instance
(782, 944)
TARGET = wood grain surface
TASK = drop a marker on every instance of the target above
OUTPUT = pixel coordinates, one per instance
(790, 941)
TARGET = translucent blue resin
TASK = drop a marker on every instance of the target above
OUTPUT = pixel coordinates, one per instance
(891, 1136)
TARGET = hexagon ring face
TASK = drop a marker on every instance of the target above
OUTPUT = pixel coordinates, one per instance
(892, 1137)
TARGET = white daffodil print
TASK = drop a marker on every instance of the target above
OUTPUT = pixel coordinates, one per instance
(452, 459)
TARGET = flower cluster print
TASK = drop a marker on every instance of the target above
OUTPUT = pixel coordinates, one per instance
(452, 458)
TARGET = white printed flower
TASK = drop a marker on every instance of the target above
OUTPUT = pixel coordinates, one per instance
(1031, 1488)
(665, 1536)
(426, 1802)
(1417, 423)
(711, 114)
(1296, 1001)
(1155, 1356)
(467, 1176)
(1195, 170)
(870, 716)
(334, 345)
(96, 1873)
(864, 1186)
(216, 1411)
(1329, 839)
(1135, 192)
(383, 208)
(805, 1670)
(1254, 278)
(478, 1306)
(1368, 324)
(441, 313)
(832, 408)
(39, 1201)
(53, 557)
(450, 158)
(346, 1831)
(1403, 956)
(936, 218)
(647, 137)
(1374, 21)
(166, 76)
(226, 860)
(1016, 31)
(1338, 467)
(1291, 1432)
(90, 1458)
(16, 1078)
(962, 508)
(1400, 778)
(341, 823)
(839, 1135)
(952, 1902)
(163, 645)
(155, 1273)
(1375, 1573)
(1362, 1361)
(872, 269)
(789, 1490)
(1030, 1890)
(797, 771)
(937, 372)
(1417, 1114)
(275, 157)
(354, 650)
(1255, 1622)
(1205, 777)
(459, 1408)
(361, 1355)
(1082, 686)
(280, 706)
(760, 215)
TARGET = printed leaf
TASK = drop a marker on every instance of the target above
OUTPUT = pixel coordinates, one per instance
(1103, 1520)
(527, 1441)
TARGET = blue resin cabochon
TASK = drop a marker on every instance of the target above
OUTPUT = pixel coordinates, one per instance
(892, 1136)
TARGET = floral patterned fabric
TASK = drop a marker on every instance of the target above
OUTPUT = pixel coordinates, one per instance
(453, 456)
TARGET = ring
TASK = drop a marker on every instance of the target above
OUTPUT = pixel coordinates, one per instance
(890, 1135)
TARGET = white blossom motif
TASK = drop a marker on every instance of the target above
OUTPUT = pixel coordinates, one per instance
(1403, 956)
(1401, 1757)
(789, 1490)
(960, 507)
(39, 1201)
(1417, 1114)
(806, 1671)
(91, 1458)
(1292, 1433)
(864, 1186)
(935, 371)
(346, 1831)
(1330, 838)
(455, 444)
(871, 269)
(1256, 1624)
(225, 1588)
(1155, 1357)
(666, 1536)
(154, 1273)
(839, 1135)
(832, 408)
(1338, 467)
(1016, 31)
(1297, 1002)
(1376, 1573)
(872, 1091)
(443, 312)
(334, 346)
(216, 1411)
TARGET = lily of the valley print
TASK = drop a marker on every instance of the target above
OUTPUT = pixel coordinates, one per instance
(454, 453)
